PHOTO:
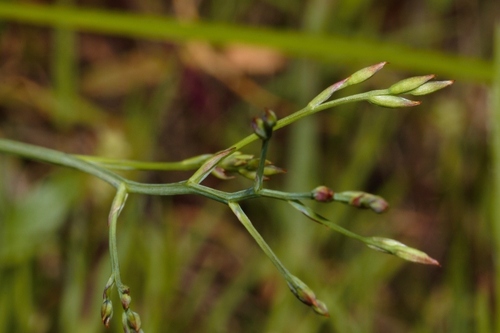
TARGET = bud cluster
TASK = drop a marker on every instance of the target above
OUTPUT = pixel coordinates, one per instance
(363, 200)
(245, 165)
(263, 126)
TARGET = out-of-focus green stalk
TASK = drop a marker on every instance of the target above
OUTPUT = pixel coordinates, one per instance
(329, 48)
(64, 70)
(495, 207)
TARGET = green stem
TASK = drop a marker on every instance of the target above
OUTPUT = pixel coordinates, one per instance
(259, 175)
(308, 110)
(59, 158)
(243, 218)
(116, 207)
(117, 164)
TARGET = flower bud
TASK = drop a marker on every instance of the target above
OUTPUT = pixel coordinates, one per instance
(271, 170)
(106, 312)
(389, 101)
(365, 73)
(263, 126)
(131, 320)
(409, 84)
(322, 194)
(307, 296)
(400, 250)
(125, 299)
(363, 200)
(430, 87)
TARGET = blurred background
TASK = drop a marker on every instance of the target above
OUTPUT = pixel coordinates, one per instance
(173, 79)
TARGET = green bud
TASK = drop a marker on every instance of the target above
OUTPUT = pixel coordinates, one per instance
(400, 250)
(125, 299)
(430, 87)
(270, 118)
(271, 170)
(365, 73)
(322, 194)
(106, 312)
(263, 126)
(409, 84)
(363, 200)
(306, 295)
(133, 320)
(389, 101)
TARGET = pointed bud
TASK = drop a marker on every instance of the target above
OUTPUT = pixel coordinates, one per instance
(430, 87)
(365, 73)
(409, 84)
(322, 194)
(307, 296)
(363, 200)
(327, 93)
(400, 250)
(389, 101)
(248, 174)
(106, 312)
(271, 170)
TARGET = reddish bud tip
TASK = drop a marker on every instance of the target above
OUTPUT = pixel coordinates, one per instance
(322, 194)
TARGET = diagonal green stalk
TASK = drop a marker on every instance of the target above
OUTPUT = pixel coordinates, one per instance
(243, 218)
(321, 220)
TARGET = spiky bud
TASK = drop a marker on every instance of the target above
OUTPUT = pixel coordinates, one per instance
(322, 194)
(430, 87)
(400, 250)
(409, 84)
(390, 101)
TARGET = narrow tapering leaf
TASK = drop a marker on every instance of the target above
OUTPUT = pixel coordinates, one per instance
(209, 166)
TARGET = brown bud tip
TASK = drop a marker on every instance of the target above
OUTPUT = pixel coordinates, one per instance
(322, 194)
